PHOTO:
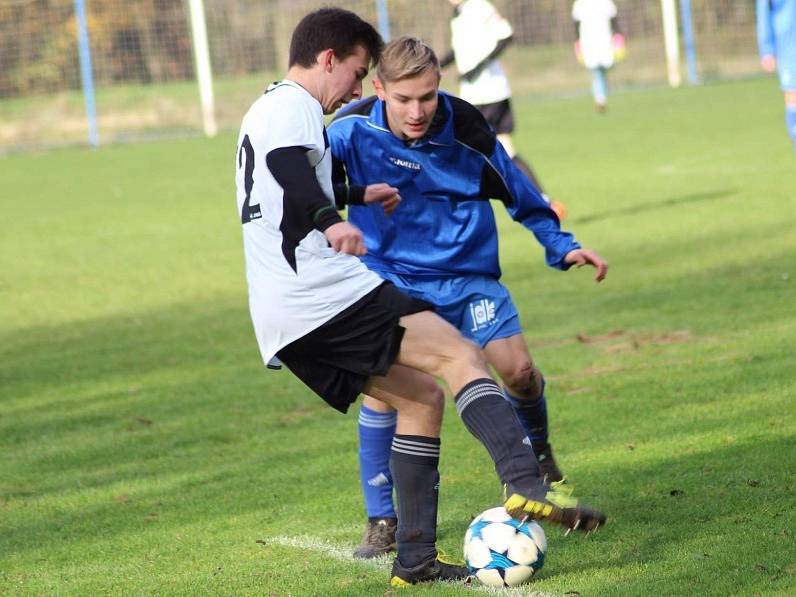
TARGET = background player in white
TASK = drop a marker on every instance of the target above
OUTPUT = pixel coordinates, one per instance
(441, 245)
(341, 329)
(776, 35)
(598, 43)
(479, 35)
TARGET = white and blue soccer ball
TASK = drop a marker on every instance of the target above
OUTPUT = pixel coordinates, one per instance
(501, 551)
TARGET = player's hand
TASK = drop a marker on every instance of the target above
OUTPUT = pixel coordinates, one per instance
(618, 41)
(346, 238)
(581, 257)
(769, 63)
(578, 53)
(382, 193)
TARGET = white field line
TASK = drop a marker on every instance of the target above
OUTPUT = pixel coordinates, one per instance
(342, 553)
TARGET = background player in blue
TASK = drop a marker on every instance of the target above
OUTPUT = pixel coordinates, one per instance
(776, 36)
(440, 243)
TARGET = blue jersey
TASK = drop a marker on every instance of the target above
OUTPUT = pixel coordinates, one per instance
(444, 224)
(776, 36)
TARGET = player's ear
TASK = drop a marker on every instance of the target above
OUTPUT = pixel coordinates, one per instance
(379, 88)
(326, 59)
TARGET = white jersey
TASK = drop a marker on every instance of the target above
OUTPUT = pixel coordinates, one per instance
(475, 32)
(296, 281)
(594, 31)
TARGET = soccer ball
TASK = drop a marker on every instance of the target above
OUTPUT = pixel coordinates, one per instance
(501, 551)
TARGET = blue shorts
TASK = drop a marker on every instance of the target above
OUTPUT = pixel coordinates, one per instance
(479, 306)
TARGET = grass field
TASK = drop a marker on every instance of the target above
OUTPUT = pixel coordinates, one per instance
(145, 450)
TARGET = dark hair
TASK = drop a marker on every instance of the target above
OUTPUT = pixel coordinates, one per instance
(335, 28)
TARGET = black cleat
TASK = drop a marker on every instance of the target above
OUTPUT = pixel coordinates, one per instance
(430, 571)
(557, 506)
(548, 467)
(379, 538)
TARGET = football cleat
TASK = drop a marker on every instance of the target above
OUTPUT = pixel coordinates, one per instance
(548, 468)
(557, 506)
(379, 538)
(430, 571)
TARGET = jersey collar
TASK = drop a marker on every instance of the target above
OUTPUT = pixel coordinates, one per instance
(289, 83)
(439, 133)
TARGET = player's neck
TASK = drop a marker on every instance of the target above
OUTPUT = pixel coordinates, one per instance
(306, 78)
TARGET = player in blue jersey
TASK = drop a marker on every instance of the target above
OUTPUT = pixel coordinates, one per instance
(440, 244)
(776, 36)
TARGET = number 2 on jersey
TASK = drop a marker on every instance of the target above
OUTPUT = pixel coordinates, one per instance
(246, 154)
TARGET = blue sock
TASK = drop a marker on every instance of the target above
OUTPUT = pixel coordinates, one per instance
(376, 431)
(532, 415)
(790, 121)
(599, 85)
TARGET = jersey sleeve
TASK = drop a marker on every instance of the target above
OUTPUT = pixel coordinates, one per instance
(496, 26)
(339, 133)
(527, 206)
(765, 29)
(298, 126)
(576, 11)
(340, 138)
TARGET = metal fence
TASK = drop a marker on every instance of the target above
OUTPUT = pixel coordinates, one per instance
(144, 73)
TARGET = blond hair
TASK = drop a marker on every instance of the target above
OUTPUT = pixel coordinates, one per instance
(404, 58)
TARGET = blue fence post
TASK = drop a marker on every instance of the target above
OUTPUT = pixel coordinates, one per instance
(384, 19)
(687, 24)
(86, 72)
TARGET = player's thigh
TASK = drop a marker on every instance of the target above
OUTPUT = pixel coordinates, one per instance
(513, 363)
(376, 405)
(431, 344)
(790, 97)
(415, 395)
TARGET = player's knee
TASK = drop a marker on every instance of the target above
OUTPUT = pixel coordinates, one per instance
(524, 380)
(432, 394)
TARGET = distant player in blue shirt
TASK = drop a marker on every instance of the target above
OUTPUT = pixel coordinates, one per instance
(440, 244)
(776, 36)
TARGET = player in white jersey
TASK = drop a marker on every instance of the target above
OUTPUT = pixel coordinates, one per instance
(598, 44)
(479, 35)
(342, 330)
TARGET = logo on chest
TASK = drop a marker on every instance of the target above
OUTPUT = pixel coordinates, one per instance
(404, 163)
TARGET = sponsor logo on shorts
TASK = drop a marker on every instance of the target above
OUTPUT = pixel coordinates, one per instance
(482, 314)
(404, 163)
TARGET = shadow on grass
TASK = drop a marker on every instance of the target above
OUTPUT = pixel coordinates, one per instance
(645, 207)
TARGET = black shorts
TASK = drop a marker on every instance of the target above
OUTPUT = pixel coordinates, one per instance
(499, 116)
(336, 360)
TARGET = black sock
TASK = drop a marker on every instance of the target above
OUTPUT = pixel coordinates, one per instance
(414, 463)
(490, 418)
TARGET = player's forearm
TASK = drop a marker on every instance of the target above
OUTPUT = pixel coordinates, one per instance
(305, 201)
(499, 49)
(447, 59)
(765, 29)
(345, 194)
